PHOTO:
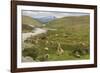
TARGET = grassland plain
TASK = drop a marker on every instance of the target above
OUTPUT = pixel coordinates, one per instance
(70, 34)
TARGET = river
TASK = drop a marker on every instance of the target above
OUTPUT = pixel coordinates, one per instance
(34, 32)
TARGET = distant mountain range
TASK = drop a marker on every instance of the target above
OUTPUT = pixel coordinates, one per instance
(45, 19)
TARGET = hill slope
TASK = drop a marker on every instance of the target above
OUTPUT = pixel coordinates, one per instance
(30, 21)
(76, 28)
(72, 20)
(26, 28)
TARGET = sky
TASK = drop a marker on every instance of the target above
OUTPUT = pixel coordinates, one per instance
(40, 14)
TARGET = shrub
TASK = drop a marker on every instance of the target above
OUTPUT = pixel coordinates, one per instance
(32, 52)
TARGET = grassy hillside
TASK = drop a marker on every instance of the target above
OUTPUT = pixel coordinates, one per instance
(70, 32)
(26, 21)
(75, 28)
(26, 28)
(69, 21)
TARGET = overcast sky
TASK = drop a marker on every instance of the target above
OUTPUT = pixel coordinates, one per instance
(49, 13)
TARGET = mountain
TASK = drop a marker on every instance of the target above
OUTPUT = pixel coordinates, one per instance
(30, 21)
(45, 19)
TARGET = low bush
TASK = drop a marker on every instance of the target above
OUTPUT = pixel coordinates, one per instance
(32, 52)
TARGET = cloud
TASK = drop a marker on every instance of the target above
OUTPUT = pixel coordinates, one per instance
(40, 14)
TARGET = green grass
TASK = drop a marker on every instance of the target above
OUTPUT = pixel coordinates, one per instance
(71, 31)
(65, 56)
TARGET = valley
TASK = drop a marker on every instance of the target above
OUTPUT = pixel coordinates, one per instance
(58, 39)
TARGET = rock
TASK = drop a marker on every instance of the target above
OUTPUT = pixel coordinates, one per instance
(27, 59)
(56, 34)
(76, 53)
(44, 57)
(85, 51)
(46, 48)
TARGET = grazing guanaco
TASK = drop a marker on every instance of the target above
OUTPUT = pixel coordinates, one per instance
(60, 51)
